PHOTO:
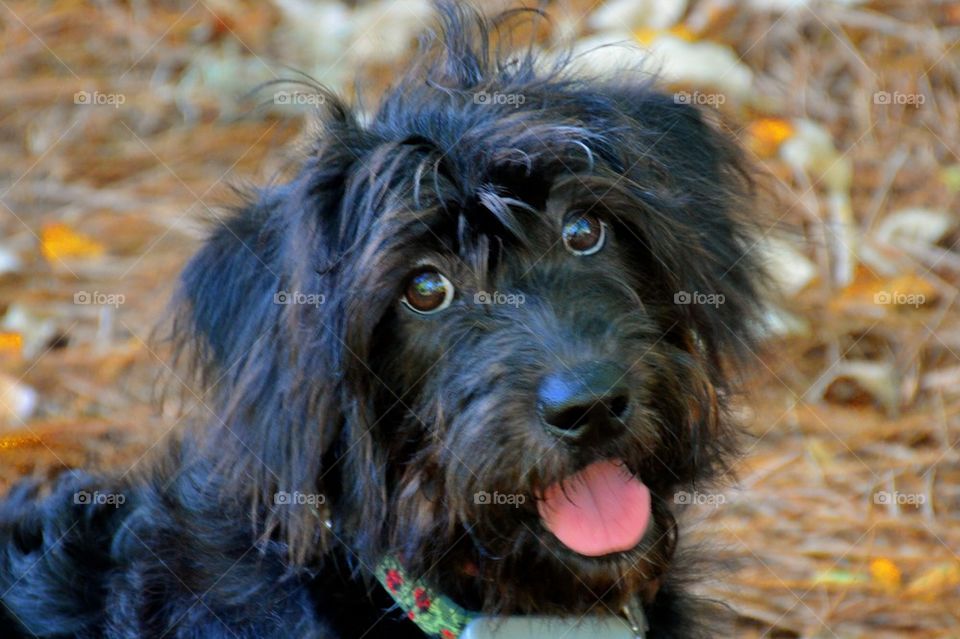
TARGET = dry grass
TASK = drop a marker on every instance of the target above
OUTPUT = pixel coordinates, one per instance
(857, 401)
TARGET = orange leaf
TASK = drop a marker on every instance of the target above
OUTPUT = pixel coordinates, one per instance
(767, 134)
(58, 240)
(10, 442)
(683, 32)
(885, 573)
(904, 292)
(11, 343)
(647, 35)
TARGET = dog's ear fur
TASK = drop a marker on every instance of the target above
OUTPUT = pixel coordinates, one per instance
(269, 369)
(227, 289)
(286, 378)
(691, 172)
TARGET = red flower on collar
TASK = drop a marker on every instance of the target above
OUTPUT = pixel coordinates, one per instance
(422, 598)
(394, 580)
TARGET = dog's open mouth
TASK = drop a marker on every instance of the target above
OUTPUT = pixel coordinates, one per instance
(600, 510)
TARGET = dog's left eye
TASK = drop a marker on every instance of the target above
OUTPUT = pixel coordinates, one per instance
(584, 234)
(428, 291)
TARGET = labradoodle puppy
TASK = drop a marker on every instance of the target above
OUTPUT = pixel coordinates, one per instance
(461, 364)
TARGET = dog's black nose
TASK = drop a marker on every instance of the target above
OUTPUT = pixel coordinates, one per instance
(588, 400)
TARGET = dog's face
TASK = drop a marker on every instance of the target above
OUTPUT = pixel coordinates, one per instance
(539, 390)
(517, 357)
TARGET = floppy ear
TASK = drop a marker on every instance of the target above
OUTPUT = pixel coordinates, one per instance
(242, 318)
(225, 299)
(701, 225)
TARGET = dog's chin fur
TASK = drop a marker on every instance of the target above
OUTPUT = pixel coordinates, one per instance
(539, 574)
(399, 420)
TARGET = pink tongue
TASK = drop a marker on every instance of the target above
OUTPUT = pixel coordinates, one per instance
(600, 510)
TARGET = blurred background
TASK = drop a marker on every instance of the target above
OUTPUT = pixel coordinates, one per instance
(123, 124)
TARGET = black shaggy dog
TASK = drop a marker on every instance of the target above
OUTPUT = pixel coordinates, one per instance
(466, 343)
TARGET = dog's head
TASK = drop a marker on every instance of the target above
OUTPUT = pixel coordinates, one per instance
(489, 326)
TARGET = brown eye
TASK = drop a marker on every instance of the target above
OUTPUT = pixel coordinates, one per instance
(428, 291)
(584, 234)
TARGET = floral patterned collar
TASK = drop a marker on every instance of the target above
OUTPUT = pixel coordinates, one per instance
(434, 614)
(439, 616)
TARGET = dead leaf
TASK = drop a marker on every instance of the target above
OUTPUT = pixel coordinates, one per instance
(58, 241)
(885, 573)
(764, 136)
(935, 581)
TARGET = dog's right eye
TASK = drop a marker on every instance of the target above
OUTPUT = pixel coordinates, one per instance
(428, 291)
(584, 234)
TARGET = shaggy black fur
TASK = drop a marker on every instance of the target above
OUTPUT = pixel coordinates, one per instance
(399, 419)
